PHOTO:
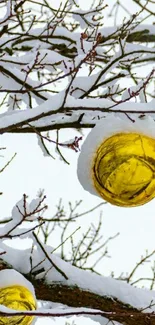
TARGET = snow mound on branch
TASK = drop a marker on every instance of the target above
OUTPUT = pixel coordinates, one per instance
(18, 211)
(11, 277)
(103, 286)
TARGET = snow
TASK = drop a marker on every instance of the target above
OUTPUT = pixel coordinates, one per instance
(10, 277)
(74, 2)
(21, 212)
(106, 31)
(103, 286)
(59, 312)
(41, 115)
(18, 211)
(138, 47)
(42, 146)
(14, 257)
(103, 130)
(26, 61)
(7, 14)
(14, 117)
(46, 114)
(56, 311)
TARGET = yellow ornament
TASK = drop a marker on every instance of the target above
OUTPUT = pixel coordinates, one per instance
(117, 161)
(124, 169)
(18, 298)
(16, 293)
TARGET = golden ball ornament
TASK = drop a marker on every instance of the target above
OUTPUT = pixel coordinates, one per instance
(19, 298)
(123, 169)
(117, 161)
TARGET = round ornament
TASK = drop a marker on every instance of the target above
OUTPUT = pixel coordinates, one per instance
(117, 161)
(17, 296)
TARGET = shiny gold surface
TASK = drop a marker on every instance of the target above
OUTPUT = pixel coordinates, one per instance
(19, 298)
(124, 169)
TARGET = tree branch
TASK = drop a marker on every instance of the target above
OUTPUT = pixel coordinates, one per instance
(75, 296)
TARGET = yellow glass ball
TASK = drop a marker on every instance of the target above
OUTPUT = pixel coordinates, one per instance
(19, 298)
(124, 169)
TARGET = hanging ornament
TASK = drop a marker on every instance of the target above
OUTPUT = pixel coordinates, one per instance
(117, 161)
(16, 293)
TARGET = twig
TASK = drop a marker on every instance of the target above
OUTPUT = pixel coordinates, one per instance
(49, 258)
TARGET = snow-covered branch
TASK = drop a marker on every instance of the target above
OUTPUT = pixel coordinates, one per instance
(61, 68)
(45, 71)
(59, 282)
(109, 298)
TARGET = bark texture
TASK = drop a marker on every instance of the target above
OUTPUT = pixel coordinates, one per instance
(74, 296)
